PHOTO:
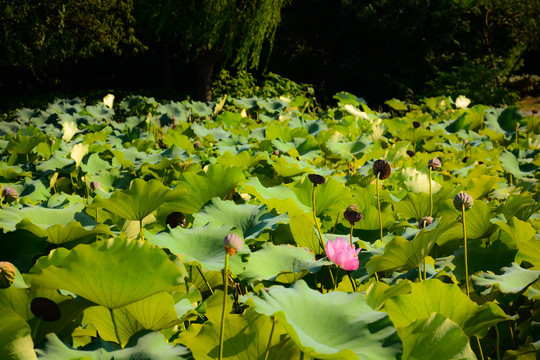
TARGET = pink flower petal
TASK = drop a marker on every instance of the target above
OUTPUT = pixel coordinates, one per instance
(351, 264)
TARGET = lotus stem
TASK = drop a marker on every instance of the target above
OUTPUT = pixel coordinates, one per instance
(225, 286)
(379, 207)
(497, 342)
(335, 224)
(480, 348)
(205, 281)
(352, 281)
(115, 328)
(420, 273)
(352, 226)
(465, 248)
(141, 235)
(321, 241)
(430, 194)
(425, 269)
(270, 339)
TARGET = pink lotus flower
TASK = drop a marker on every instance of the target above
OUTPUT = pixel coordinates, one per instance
(342, 254)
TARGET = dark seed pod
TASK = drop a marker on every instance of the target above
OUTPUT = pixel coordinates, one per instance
(416, 124)
(480, 163)
(382, 169)
(434, 163)
(45, 309)
(425, 221)
(352, 214)
(316, 179)
(463, 199)
(176, 218)
(94, 185)
(197, 145)
(410, 153)
(10, 194)
(232, 244)
(464, 160)
(7, 274)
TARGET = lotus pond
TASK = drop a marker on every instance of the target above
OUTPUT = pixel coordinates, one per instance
(269, 229)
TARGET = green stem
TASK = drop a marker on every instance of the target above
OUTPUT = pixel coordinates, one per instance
(335, 224)
(420, 273)
(352, 226)
(205, 281)
(430, 195)
(116, 328)
(425, 269)
(479, 348)
(379, 207)
(225, 286)
(465, 248)
(335, 277)
(352, 281)
(141, 229)
(321, 241)
(497, 342)
(270, 339)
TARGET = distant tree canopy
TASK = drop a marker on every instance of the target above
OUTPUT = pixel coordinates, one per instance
(378, 49)
(212, 32)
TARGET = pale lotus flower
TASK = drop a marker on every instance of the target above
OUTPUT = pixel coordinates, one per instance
(418, 182)
(243, 113)
(341, 253)
(355, 112)
(78, 151)
(378, 129)
(70, 129)
(108, 100)
(462, 102)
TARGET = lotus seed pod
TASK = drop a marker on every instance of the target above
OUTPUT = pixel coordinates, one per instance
(10, 194)
(94, 185)
(464, 160)
(425, 221)
(7, 274)
(276, 152)
(382, 169)
(434, 163)
(45, 309)
(463, 199)
(232, 244)
(352, 214)
(416, 124)
(197, 145)
(410, 153)
(176, 218)
(316, 179)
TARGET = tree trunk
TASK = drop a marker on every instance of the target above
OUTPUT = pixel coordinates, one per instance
(205, 72)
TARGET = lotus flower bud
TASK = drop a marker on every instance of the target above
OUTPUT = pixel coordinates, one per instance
(425, 221)
(410, 153)
(316, 179)
(10, 194)
(276, 152)
(232, 244)
(94, 185)
(45, 309)
(416, 124)
(463, 199)
(176, 218)
(197, 145)
(382, 169)
(7, 274)
(434, 163)
(352, 214)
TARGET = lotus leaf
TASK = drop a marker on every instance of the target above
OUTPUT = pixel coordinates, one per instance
(91, 271)
(357, 330)
(433, 296)
(252, 220)
(67, 224)
(435, 338)
(246, 337)
(284, 264)
(513, 279)
(149, 346)
(139, 201)
(15, 339)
